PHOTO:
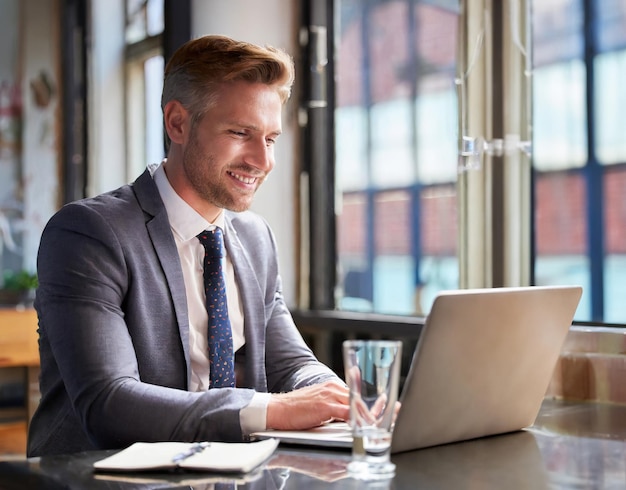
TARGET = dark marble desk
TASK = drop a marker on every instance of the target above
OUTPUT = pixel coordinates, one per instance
(571, 445)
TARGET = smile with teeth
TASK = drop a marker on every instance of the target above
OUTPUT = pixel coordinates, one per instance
(241, 178)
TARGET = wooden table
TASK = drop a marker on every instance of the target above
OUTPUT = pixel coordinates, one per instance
(19, 349)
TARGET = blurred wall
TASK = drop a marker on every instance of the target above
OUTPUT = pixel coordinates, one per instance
(273, 22)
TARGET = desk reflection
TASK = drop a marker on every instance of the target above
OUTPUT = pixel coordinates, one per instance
(506, 461)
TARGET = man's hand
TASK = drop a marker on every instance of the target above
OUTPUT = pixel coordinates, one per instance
(308, 407)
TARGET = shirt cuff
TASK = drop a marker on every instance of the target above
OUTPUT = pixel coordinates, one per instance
(253, 418)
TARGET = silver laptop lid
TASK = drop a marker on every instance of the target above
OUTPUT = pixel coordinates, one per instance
(483, 363)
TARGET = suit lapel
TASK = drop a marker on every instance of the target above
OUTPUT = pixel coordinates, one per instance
(253, 309)
(160, 233)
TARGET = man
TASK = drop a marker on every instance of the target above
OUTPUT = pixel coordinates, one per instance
(121, 300)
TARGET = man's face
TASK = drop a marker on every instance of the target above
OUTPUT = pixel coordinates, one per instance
(230, 151)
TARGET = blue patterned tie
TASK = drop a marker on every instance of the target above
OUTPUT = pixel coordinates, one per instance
(221, 359)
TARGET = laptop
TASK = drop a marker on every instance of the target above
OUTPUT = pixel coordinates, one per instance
(481, 367)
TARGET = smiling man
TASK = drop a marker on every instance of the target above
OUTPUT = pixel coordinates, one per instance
(127, 322)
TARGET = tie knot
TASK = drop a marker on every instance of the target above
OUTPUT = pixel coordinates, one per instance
(213, 242)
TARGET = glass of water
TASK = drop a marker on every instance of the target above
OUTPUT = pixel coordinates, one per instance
(372, 371)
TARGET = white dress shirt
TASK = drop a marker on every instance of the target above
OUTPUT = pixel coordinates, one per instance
(186, 224)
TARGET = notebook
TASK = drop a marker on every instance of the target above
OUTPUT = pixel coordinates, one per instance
(481, 366)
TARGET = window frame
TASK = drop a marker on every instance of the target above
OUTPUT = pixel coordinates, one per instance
(74, 108)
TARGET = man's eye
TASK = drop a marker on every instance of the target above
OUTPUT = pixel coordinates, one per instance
(237, 133)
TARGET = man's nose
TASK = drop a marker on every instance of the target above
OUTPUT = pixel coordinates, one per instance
(261, 155)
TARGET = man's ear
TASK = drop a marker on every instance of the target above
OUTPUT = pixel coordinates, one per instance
(176, 119)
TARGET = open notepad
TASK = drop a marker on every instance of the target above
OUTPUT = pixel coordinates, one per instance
(202, 456)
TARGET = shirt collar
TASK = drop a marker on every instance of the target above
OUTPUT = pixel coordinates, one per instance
(185, 221)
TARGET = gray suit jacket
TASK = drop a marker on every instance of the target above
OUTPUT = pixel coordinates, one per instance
(114, 328)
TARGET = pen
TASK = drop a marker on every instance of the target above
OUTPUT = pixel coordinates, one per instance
(195, 448)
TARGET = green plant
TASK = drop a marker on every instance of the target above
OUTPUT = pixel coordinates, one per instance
(22, 280)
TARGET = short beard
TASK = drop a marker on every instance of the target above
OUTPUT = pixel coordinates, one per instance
(197, 169)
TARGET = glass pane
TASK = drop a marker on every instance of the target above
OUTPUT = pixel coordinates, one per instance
(154, 68)
(611, 24)
(356, 285)
(437, 136)
(610, 107)
(392, 162)
(615, 244)
(439, 269)
(394, 279)
(144, 18)
(561, 233)
(559, 116)
(351, 148)
(396, 139)
(154, 17)
(135, 20)
(557, 27)
(145, 142)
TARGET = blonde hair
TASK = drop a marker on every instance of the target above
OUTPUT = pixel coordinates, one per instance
(199, 66)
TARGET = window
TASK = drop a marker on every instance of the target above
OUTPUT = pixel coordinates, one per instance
(144, 83)
(400, 201)
(580, 151)
(395, 163)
